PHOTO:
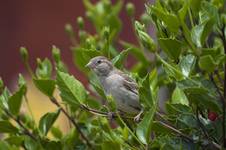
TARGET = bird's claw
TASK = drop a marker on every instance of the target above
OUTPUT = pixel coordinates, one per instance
(138, 117)
(111, 115)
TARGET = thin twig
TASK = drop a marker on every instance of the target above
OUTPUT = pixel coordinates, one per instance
(29, 107)
(53, 100)
(17, 120)
(167, 125)
(104, 114)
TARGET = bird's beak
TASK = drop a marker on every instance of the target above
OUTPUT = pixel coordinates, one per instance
(89, 65)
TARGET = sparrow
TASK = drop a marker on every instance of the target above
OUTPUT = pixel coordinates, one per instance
(119, 85)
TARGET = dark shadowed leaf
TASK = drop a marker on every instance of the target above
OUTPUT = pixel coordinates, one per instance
(7, 127)
(207, 63)
(110, 145)
(31, 144)
(15, 140)
(171, 47)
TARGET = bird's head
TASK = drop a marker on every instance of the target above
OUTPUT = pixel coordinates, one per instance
(100, 65)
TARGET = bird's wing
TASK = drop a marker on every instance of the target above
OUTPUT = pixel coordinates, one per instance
(129, 83)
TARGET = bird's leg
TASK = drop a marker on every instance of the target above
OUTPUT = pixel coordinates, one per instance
(137, 117)
(111, 115)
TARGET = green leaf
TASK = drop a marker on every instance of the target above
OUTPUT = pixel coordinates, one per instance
(15, 140)
(31, 144)
(171, 70)
(4, 98)
(136, 52)
(44, 69)
(56, 132)
(145, 92)
(145, 39)
(200, 92)
(15, 100)
(187, 64)
(110, 145)
(21, 81)
(82, 56)
(4, 146)
(120, 58)
(46, 86)
(7, 127)
(171, 47)
(47, 121)
(52, 145)
(93, 80)
(71, 90)
(170, 19)
(178, 97)
(207, 63)
(183, 11)
(143, 129)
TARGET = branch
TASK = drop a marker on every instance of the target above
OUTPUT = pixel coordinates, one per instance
(167, 125)
(103, 114)
(223, 38)
(53, 100)
(17, 120)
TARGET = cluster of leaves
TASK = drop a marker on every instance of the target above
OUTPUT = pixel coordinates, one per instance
(185, 63)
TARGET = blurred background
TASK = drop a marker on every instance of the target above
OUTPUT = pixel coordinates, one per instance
(37, 25)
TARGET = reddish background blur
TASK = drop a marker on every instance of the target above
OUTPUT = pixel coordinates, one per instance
(38, 25)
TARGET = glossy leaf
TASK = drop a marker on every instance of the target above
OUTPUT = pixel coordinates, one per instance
(47, 121)
(46, 86)
(187, 64)
(71, 90)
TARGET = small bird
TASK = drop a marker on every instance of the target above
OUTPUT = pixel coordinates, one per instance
(120, 86)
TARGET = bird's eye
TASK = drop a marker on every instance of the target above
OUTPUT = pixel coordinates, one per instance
(99, 61)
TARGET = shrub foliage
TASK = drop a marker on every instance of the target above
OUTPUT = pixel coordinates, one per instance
(184, 66)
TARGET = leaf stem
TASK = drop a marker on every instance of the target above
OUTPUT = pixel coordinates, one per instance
(53, 100)
(131, 132)
(29, 107)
